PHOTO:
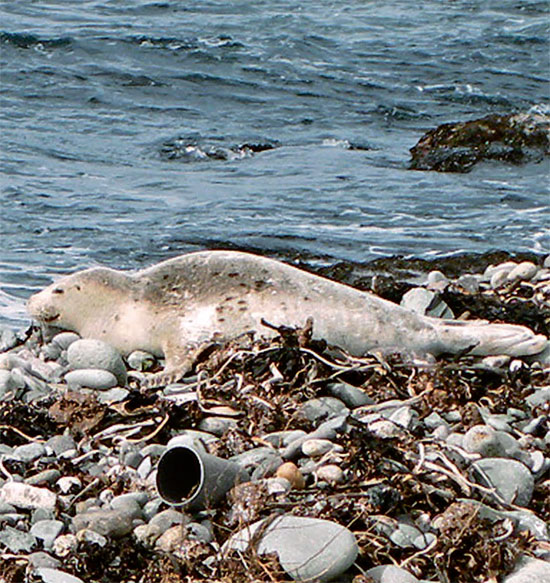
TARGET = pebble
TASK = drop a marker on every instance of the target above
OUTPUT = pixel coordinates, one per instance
(511, 479)
(539, 398)
(318, 447)
(529, 570)
(469, 283)
(47, 531)
(524, 271)
(88, 353)
(283, 438)
(107, 522)
(8, 339)
(170, 540)
(91, 378)
(289, 471)
(43, 478)
(317, 410)
(426, 303)
(351, 396)
(64, 339)
(330, 473)
(29, 452)
(489, 442)
(42, 559)
(217, 425)
(308, 549)
(16, 540)
(90, 536)
(141, 361)
(437, 280)
(56, 576)
(59, 444)
(64, 545)
(391, 574)
(27, 497)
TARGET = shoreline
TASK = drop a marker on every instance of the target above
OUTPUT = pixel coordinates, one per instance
(440, 468)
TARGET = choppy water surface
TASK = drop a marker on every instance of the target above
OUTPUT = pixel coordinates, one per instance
(132, 131)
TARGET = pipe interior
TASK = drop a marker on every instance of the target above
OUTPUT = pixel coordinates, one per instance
(179, 474)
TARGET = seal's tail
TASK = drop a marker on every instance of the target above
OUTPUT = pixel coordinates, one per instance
(482, 338)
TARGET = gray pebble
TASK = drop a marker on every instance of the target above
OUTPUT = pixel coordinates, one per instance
(114, 395)
(437, 280)
(426, 303)
(8, 339)
(91, 378)
(141, 361)
(59, 444)
(109, 523)
(16, 540)
(42, 559)
(317, 410)
(511, 479)
(405, 535)
(499, 278)
(89, 353)
(47, 531)
(91, 537)
(469, 283)
(351, 396)
(64, 339)
(217, 425)
(539, 398)
(29, 452)
(69, 484)
(55, 576)
(44, 477)
(391, 574)
(197, 531)
(283, 438)
(308, 548)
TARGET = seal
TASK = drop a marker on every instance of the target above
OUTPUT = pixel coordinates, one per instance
(171, 309)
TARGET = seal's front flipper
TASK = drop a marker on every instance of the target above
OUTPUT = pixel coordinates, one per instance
(486, 339)
(179, 362)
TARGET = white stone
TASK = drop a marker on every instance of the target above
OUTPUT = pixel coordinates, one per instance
(90, 353)
(28, 497)
(91, 378)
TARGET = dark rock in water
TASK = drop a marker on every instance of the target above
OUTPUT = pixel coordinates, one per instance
(457, 147)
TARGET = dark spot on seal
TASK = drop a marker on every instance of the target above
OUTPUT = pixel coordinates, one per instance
(77, 287)
(233, 274)
(306, 299)
(221, 319)
(229, 298)
(243, 309)
(242, 302)
(58, 290)
(117, 317)
(260, 284)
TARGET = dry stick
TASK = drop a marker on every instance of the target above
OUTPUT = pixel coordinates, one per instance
(153, 433)
(424, 551)
(93, 483)
(24, 435)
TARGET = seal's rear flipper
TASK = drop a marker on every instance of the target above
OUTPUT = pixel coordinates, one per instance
(488, 339)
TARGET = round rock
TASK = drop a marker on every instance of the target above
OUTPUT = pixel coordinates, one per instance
(91, 378)
(511, 479)
(309, 549)
(89, 353)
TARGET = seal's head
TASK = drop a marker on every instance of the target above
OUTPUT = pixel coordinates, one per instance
(67, 302)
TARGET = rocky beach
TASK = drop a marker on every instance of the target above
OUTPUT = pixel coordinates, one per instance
(384, 468)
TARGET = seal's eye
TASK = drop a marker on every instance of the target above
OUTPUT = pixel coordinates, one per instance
(58, 290)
